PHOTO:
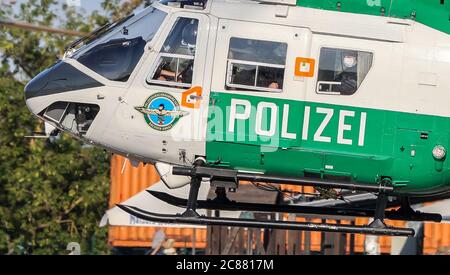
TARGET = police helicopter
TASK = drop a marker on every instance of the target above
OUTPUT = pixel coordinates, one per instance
(337, 95)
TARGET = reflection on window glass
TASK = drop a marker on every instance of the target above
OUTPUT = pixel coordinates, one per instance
(258, 51)
(256, 64)
(342, 71)
(176, 63)
(116, 59)
(244, 74)
(183, 37)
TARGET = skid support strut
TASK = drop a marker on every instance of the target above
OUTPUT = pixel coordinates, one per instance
(380, 208)
(221, 177)
(191, 207)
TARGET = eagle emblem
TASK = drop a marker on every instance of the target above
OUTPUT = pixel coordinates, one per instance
(161, 111)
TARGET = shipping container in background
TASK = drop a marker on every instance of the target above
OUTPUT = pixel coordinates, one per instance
(126, 181)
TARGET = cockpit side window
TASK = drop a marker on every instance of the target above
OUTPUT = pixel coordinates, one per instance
(175, 65)
(341, 71)
(256, 65)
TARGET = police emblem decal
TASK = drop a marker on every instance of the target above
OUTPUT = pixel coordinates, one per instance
(161, 111)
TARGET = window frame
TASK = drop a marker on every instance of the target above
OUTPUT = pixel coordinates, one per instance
(61, 117)
(230, 61)
(160, 54)
(151, 81)
(319, 82)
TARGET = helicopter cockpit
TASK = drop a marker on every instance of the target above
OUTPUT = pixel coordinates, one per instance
(131, 84)
(68, 95)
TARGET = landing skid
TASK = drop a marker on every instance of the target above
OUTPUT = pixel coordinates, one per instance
(291, 209)
(202, 220)
(221, 178)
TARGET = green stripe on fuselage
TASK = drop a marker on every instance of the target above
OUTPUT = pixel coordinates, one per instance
(428, 12)
(271, 135)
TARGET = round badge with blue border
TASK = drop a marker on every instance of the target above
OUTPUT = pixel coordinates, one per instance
(161, 111)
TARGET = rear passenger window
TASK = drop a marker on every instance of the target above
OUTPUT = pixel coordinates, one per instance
(341, 72)
(256, 65)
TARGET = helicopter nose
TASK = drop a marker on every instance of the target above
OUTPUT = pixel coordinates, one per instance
(36, 84)
(60, 78)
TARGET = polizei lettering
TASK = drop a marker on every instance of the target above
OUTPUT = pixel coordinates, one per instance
(267, 122)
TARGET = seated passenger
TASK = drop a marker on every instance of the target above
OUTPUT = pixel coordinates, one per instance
(244, 75)
(349, 76)
(274, 85)
(164, 71)
(270, 78)
(185, 76)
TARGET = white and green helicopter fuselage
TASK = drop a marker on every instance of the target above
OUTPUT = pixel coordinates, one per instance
(267, 88)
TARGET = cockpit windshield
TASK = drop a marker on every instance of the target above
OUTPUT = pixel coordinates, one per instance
(144, 24)
(98, 33)
(114, 51)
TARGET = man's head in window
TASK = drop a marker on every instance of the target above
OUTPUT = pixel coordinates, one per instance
(349, 59)
(349, 77)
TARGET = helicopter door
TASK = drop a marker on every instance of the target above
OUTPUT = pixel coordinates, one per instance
(256, 101)
(160, 116)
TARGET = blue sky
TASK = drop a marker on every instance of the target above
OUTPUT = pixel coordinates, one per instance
(87, 5)
(83, 6)
(90, 4)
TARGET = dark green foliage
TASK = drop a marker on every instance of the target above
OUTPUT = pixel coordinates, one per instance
(51, 192)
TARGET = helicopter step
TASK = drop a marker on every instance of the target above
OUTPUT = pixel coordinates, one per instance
(306, 226)
(227, 205)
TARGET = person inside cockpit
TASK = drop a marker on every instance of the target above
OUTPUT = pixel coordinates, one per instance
(274, 85)
(349, 76)
(167, 70)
